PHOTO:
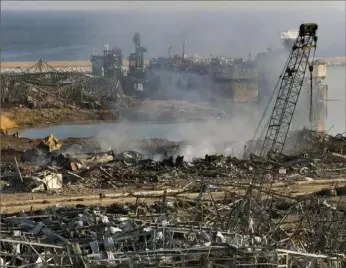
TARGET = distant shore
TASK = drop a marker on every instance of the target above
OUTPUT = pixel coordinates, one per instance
(54, 64)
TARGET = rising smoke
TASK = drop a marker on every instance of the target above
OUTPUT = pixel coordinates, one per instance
(227, 129)
(226, 126)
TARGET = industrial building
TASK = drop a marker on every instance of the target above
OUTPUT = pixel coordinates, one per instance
(237, 81)
(109, 64)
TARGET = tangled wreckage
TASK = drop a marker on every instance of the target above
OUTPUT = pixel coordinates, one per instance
(227, 212)
(155, 209)
(42, 86)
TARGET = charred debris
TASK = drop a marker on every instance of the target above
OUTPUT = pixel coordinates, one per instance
(217, 211)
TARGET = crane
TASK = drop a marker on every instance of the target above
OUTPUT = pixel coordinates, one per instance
(291, 81)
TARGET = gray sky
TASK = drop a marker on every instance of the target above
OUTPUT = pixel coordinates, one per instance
(171, 5)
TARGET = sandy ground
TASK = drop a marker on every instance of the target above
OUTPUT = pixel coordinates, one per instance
(24, 201)
(54, 64)
(7, 123)
(19, 117)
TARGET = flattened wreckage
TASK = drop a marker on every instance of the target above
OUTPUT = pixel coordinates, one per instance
(232, 231)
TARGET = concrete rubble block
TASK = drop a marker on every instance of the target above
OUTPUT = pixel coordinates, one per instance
(101, 158)
(282, 171)
(45, 181)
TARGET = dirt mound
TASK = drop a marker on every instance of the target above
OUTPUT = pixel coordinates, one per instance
(7, 123)
(45, 116)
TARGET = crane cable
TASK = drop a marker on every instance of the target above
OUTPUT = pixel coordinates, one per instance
(311, 108)
(311, 68)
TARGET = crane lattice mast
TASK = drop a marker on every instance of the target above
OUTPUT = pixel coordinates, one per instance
(301, 56)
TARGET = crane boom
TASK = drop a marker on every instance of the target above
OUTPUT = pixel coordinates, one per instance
(300, 58)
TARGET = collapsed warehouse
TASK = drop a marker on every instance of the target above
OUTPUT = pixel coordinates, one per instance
(42, 86)
(215, 211)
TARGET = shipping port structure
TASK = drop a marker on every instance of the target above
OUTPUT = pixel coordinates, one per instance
(236, 85)
(241, 85)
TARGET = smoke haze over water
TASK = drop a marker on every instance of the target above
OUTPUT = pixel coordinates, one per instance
(210, 137)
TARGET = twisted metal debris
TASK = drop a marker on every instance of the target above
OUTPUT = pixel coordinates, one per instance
(231, 213)
(44, 86)
(220, 229)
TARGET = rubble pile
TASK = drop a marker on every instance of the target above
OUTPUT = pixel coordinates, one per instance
(82, 166)
(209, 230)
(108, 170)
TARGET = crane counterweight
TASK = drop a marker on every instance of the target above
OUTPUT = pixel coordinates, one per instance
(308, 29)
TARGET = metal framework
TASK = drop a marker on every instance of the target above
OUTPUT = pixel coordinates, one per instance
(251, 230)
(49, 87)
(301, 57)
(136, 60)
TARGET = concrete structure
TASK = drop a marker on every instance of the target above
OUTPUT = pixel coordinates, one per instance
(109, 64)
(235, 79)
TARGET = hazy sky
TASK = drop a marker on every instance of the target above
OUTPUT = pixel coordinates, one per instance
(171, 5)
